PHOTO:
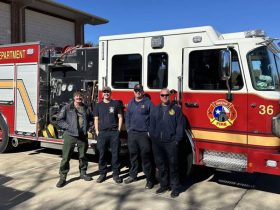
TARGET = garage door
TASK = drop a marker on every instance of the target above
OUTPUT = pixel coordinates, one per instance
(5, 23)
(48, 29)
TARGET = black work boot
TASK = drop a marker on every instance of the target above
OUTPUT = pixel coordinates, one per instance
(129, 180)
(149, 184)
(161, 190)
(62, 181)
(117, 179)
(85, 177)
(101, 178)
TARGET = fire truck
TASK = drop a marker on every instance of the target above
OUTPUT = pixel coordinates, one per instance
(227, 86)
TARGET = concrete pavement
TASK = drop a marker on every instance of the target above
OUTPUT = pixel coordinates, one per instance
(28, 179)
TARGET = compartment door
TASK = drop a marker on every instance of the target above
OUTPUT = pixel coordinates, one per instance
(26, 98)
(7, 84)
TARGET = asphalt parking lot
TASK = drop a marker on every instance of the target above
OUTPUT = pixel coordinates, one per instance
(28, 179)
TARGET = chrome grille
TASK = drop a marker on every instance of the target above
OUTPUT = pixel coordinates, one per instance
(225, 160)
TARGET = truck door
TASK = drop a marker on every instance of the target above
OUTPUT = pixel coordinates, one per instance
(213, 119)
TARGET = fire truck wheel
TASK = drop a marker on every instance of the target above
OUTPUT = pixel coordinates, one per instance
(5, 144)
(185, 160)
(189, 167)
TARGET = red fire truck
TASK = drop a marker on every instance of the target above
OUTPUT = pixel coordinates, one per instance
(226, 84)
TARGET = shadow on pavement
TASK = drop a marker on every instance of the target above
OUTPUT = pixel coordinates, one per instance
(262, 182)
(199, 174)
(11, 197)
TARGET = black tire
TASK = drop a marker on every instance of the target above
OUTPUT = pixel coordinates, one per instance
(190, 166)
(185, 160)
(5, 143)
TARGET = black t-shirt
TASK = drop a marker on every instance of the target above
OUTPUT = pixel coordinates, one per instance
(107, 114)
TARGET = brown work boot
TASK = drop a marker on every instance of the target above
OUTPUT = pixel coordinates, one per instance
(85, 177)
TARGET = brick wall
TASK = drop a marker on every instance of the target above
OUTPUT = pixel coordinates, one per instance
(5, 23)
(48, 29)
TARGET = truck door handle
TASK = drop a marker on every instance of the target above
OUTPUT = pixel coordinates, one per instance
(192, 104)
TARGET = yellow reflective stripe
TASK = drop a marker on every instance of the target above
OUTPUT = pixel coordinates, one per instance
(6, 83)
(27, 103)
(216, 136)
(236, 138)
(264, 141)
(24, 95)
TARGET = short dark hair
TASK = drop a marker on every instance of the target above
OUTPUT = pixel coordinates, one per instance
(138, 87)
(78, 93)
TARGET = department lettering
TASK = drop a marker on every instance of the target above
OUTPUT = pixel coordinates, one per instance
(12, 54)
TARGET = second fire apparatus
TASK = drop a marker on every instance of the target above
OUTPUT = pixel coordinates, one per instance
(226, 84)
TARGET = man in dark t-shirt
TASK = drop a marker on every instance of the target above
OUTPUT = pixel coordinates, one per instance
(108, 119)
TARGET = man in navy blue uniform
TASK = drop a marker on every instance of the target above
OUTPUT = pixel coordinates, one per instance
(137, 121)
(166, 130)
(108, 120)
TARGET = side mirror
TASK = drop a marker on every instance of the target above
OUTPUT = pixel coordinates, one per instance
(225, 64)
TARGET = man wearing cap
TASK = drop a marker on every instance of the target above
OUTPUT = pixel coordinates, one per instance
(166, 130)
(137, 123)
(74, 119)
(108, 120)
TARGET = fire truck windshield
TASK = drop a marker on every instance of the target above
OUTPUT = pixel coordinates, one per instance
(264, 69)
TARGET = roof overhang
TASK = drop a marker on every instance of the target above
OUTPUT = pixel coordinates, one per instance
(62, 10)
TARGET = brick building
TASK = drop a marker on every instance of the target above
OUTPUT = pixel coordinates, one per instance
(43, 20)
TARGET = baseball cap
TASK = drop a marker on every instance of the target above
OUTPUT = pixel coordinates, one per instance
(106, 89)
(138, 87)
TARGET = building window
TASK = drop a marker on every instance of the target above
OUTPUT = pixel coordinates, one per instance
(126, 71)
(157, 70)
(204, 71)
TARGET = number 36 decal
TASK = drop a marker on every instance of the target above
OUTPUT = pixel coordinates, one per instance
(266, 110)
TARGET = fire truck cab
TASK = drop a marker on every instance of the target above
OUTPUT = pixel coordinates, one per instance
(226, 84)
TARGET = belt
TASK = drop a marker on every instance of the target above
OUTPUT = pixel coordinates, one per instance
(109, 129)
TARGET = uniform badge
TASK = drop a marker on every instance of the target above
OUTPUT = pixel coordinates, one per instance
(111, 109)
(221, 113)
(171, 112)
(142, 106)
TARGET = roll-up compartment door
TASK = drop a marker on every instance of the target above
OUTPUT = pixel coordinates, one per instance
(6, 83)
(5, 23)
(26, 98)
(48, 29)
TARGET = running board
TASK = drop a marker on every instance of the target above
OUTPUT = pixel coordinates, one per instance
(225, 160)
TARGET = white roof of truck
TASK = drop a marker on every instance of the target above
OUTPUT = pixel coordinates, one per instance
(208, 29)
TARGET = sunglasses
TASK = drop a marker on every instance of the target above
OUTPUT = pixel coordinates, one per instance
(138, 90)
(164, 95)
(106, 91)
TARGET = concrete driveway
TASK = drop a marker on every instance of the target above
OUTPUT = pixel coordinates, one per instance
(28, 179)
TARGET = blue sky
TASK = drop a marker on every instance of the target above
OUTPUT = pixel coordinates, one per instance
(130, 16)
